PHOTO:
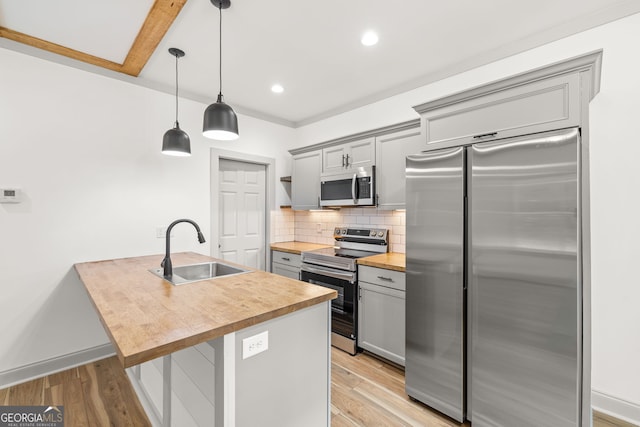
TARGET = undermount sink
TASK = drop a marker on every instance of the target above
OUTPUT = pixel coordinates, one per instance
(196, 272)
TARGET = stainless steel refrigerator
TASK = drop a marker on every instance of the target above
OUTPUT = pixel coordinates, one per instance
(494, 318)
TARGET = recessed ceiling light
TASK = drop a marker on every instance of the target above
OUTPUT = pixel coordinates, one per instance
(276, 88)
(369, 38)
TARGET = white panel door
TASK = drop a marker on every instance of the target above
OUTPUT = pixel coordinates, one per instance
(242, 213)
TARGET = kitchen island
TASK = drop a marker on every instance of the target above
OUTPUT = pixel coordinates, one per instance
(183, 345)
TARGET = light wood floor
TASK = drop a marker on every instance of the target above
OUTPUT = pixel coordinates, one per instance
(365, 392)
(95, 394)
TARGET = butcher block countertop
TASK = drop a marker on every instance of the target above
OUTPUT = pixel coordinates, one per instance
(296, 247)
(147, 317)
(390, 261)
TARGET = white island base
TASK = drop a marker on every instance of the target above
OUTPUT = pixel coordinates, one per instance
(211, 384)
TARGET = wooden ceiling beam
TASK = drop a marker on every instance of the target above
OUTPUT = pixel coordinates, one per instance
(58, 49)
(158, 21)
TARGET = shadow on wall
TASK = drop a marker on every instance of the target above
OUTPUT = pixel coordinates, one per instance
(23, 206)
(66, 323)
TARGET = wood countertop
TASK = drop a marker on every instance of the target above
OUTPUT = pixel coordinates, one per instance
(296, 247)
(391, 261)
(147, 317)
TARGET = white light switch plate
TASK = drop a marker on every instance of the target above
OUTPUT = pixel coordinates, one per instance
(255, 344)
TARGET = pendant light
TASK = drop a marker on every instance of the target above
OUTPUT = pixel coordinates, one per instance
(176, 141)
(220, 121)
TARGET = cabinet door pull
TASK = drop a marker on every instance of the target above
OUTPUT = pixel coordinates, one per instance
(347, 160)
(343, 165)
(485, 135)
(388, 279)
(359, 293)
(286, 259)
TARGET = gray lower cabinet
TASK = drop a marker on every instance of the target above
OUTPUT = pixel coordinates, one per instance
(286, 264)
(381, 312)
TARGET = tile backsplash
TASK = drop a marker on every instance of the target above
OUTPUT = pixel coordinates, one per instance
(282, 225)
(317, 226)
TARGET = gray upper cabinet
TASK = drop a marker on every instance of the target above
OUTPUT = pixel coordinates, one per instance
(305, 180)
(348, 156)
(547, 98)
(391, 152)
(536, 107)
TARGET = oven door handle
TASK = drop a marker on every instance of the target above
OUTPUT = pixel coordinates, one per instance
(350, 277)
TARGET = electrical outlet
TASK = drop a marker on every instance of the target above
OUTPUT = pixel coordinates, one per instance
(319, 227)
(161, 232)
(255, 344)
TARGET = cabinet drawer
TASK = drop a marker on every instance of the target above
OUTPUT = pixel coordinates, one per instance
(293, 260)
(285, 270)
(383, 277)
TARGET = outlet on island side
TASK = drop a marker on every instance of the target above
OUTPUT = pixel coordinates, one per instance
(255, 344)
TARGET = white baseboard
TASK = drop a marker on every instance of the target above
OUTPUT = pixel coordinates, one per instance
(53, 365)
(616, 407)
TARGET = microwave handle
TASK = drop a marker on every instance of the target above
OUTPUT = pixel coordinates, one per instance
(353, 188)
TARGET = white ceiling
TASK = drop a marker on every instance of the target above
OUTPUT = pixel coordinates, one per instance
(105, 29)
(311, 48)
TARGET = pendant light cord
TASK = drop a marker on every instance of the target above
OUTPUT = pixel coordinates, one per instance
(220, 50)
(177, 125)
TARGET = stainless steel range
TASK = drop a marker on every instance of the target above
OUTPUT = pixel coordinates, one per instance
(336, 268)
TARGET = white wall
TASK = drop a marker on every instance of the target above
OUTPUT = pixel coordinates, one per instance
(615, 150)
(85, 149)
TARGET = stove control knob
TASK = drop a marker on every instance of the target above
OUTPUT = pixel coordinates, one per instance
(372, 233)
(344, 231)
(336, 231)
(380, 233)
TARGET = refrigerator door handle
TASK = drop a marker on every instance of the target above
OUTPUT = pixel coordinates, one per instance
(465, 275)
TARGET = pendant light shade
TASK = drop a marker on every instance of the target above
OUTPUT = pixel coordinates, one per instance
(220, 121)
(176, 141)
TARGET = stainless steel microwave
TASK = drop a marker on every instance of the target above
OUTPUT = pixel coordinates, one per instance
(349, 189)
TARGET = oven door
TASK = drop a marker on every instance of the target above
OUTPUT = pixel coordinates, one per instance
(343, 308)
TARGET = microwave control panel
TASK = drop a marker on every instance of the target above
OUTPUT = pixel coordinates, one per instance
(364, 187)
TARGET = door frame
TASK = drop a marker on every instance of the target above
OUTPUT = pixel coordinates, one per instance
(270, 186)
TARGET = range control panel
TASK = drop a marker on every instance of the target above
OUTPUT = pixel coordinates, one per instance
(348, 233)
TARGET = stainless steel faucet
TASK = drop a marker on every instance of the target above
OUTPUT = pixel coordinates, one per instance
(166, 262)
